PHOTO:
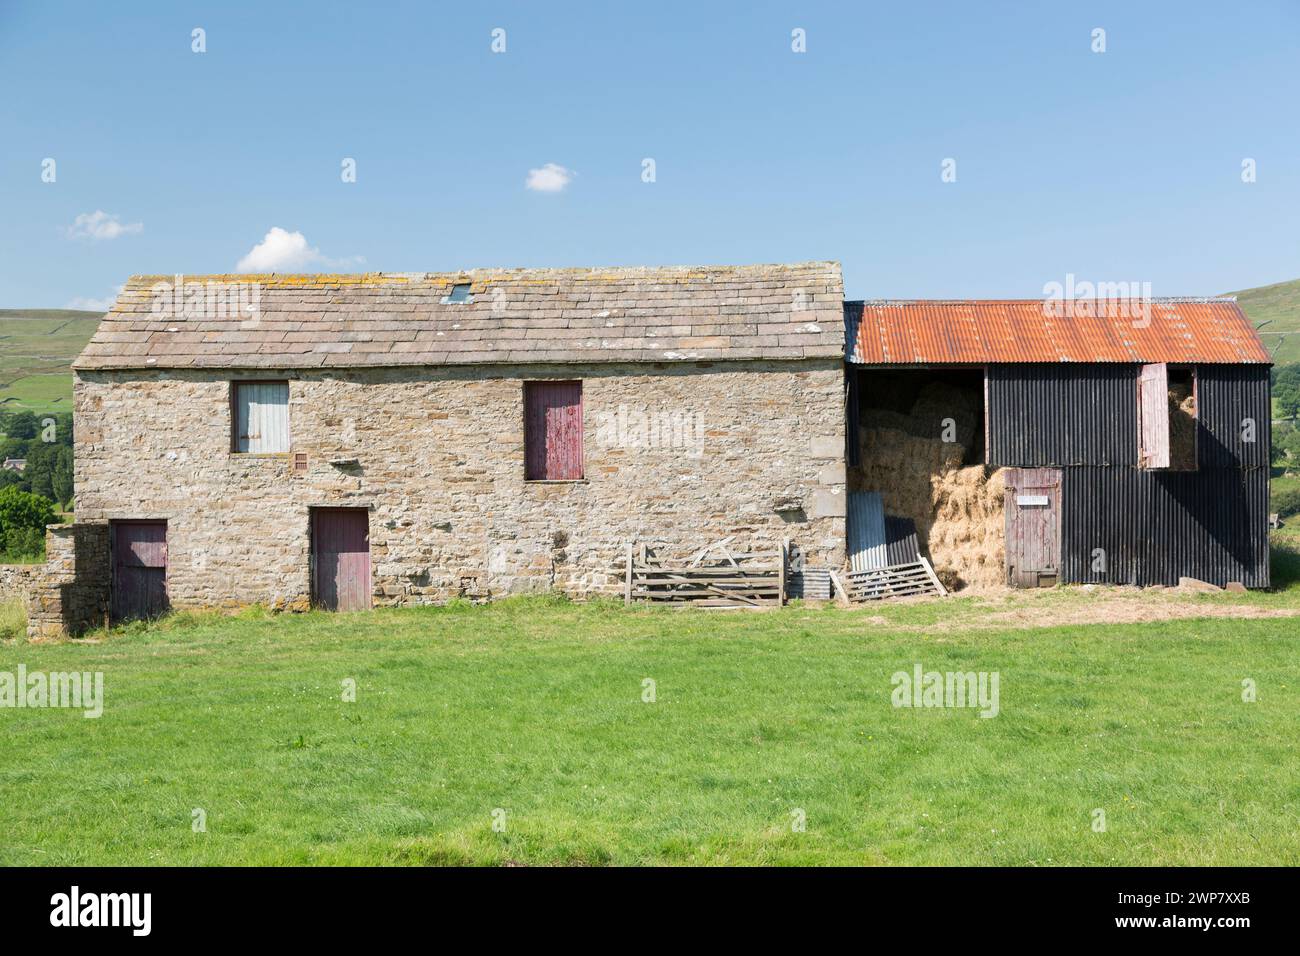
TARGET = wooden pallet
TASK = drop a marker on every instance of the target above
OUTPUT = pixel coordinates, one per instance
(755, 579)
(900, 580)
(811, 584)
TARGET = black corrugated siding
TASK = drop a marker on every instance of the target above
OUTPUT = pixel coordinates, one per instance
(1042, 415)
(1158, 526)
(1227, 395)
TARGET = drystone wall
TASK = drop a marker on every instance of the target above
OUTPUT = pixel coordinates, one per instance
(69, 593)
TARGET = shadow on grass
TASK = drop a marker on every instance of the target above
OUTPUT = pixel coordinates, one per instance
(1285, 566)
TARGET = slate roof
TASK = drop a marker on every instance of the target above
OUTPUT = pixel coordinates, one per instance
(669, 314)
(928, 331)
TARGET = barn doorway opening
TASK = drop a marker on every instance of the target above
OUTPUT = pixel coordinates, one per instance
(1182, 418)
(340, 551)
(917, 439)
(1167, 417)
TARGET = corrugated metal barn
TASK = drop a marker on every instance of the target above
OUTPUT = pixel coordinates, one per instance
(1108, 442)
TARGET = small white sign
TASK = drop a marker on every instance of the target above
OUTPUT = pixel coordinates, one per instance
(1032, 501)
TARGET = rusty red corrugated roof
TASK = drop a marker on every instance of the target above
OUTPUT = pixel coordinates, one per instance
(928, 331)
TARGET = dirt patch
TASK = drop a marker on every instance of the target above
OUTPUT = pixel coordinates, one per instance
(1120, 613)
(1104, 605)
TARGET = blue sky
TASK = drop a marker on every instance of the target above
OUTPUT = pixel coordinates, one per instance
(1114, 166)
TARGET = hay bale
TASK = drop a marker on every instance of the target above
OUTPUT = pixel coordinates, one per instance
(1182, 427)
(957, 508)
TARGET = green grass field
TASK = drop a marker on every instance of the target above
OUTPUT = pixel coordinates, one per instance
(1275, 311)
(533, 710)
(37, 347)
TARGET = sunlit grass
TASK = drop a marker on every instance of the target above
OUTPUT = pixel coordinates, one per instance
(533, 709)
(13, 621)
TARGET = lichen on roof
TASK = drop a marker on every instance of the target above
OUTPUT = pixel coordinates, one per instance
(633, 314)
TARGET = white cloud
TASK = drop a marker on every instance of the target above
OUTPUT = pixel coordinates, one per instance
(95, 305)
(284, 251)
(551, 178)
(279, 251)
(101, 225)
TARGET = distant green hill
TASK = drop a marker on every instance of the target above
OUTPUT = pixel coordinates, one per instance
(37, 347)
(1275, 310)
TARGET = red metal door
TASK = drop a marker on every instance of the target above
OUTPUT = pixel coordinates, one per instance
(553, 430)
(1033, 524)
(341, 558)
(139, 569)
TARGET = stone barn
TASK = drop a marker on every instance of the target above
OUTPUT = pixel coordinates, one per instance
(346, 441)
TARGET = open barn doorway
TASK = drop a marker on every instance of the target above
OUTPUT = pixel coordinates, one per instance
(917, 439)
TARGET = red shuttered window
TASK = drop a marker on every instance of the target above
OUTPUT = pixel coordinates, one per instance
(552, 431)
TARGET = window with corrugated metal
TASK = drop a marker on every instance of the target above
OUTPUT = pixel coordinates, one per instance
(261, 417)
(552, 431)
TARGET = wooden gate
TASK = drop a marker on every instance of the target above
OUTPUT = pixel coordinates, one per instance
(340, 542)
(714, 577)
(139, 569)
(1033, 523)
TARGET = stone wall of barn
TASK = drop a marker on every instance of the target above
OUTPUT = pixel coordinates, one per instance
(69, 593)
(13, 580)
(676, 456)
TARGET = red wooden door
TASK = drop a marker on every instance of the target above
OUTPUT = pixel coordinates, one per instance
(1033, 525)
(341, 558)
(139, 569)
(553, 431)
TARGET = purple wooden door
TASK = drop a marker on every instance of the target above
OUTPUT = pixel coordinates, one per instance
(139, 569)
(553, 431)
(1033, 525)
(341, 558)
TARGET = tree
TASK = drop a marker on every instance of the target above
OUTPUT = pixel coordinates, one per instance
(1286, 503)
(21, 510)
(21, 425)
(39, 473)
(13, 448)
(63, 430)
(61, 476)
(23, 543)
(1288, 400)
(1286, 375)
(1286, 448)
